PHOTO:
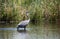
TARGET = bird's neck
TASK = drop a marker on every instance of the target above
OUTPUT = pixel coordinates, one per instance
(29, 19)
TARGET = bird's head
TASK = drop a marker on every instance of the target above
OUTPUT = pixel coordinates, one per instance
(27, 14)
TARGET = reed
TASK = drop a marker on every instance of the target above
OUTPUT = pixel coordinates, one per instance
(39, 10)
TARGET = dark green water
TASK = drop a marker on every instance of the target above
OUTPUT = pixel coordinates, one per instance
(42, 31)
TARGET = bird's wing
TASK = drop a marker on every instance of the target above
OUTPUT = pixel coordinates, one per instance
(23, 22)
(20, 23)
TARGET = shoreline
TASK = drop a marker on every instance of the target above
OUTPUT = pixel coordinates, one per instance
(3, 22)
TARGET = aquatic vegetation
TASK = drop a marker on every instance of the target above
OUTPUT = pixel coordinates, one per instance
(14, 10)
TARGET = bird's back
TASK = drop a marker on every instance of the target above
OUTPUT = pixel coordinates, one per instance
(25, 22)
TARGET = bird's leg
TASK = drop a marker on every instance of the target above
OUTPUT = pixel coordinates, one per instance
(17, 28)
(25, 28)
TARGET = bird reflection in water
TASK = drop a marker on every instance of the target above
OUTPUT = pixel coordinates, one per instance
(22, 31)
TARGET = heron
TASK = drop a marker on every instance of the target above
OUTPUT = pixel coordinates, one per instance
(24, 23)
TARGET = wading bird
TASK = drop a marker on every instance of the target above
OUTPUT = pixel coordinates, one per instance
(24, 23)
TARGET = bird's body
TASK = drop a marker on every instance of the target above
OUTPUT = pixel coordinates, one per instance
(23, 23)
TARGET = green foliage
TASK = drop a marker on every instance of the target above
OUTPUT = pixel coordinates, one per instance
(39, 9)
(10, 10)
(47, 9)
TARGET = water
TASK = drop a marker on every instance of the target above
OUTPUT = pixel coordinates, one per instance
(42, 31)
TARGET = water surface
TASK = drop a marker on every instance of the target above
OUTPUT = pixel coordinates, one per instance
(42, 31)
